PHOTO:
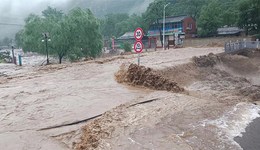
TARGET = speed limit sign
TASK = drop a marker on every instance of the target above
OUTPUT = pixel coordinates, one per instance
(138, 46)
(139, 34)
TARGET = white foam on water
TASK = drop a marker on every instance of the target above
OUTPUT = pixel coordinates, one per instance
(233, 123)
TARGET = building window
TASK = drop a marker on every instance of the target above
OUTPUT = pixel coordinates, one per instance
(175, 25)
(168, 26)
(179, 25)
(190, 25)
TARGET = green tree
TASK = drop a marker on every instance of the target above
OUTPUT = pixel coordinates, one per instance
(84, 32)
(127, 47)
(249, 15)
(75, 35)
(209, 19)
(32, 34)
(114, 25)
(188, 7)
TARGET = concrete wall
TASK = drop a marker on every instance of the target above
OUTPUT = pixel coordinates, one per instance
(212, 42)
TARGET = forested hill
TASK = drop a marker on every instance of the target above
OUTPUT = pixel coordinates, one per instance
(103, 7)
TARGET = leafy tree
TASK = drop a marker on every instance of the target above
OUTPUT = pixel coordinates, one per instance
(127, 47)
(32, 34)
(118, 24)
(188, 7)
(209, 19)
(114, 25)
(84, 32)
(249, 15)
(75, 35)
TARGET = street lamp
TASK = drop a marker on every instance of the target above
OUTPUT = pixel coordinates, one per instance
(46, 40)
(164, 24)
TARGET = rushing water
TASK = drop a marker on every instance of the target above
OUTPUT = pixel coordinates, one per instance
(250, 139)
(237, 126)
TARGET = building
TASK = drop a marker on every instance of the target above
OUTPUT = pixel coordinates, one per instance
(229, 31)
(183, 26)
(129, 37)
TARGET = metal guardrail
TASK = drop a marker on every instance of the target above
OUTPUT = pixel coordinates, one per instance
(240, 45)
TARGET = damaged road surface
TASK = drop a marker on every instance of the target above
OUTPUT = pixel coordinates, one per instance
(45, 107)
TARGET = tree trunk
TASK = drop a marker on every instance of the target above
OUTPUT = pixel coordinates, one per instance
(60, 59)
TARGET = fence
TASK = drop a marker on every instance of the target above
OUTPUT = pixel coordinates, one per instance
(240, 45)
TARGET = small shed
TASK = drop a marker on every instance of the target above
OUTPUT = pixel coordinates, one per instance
(129, 38)
(225, 31)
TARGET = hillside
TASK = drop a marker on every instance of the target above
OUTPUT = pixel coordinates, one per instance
(103, 7)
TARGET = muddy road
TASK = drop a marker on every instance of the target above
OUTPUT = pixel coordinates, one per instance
(37, 98)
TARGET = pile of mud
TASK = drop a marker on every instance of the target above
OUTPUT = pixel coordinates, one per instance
(206, 60)
(239, 72)
(147, 77)
(98, 129)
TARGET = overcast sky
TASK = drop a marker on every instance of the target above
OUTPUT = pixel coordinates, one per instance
(16, 10)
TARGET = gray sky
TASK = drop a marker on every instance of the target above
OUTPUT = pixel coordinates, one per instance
(16, 10)
(13, 12)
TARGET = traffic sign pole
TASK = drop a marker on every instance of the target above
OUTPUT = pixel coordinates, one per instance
(138, 46)
(138, 59)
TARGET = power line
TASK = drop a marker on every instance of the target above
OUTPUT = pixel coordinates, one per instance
(11, 24)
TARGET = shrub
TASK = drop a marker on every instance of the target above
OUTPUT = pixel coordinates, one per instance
(127, 47)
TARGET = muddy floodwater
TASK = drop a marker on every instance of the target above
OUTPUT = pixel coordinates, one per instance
(45, 107)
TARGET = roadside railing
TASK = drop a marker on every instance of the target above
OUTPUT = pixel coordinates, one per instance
(240, 45)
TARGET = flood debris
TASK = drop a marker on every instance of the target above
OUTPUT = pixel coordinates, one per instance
(206, 61)
(147, 77)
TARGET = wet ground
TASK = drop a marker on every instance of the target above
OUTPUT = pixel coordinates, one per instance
(40, 97)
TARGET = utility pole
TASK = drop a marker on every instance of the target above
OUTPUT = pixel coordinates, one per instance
(164, 24)
(14, 61)
(46, 46)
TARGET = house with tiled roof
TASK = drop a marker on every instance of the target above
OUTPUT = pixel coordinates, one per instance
(184, 26)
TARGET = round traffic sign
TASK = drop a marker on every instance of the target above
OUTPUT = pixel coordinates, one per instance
(139, 34)
(138, 46)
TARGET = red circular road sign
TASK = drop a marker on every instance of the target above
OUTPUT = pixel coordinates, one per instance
(138, 47)
(139, 34)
